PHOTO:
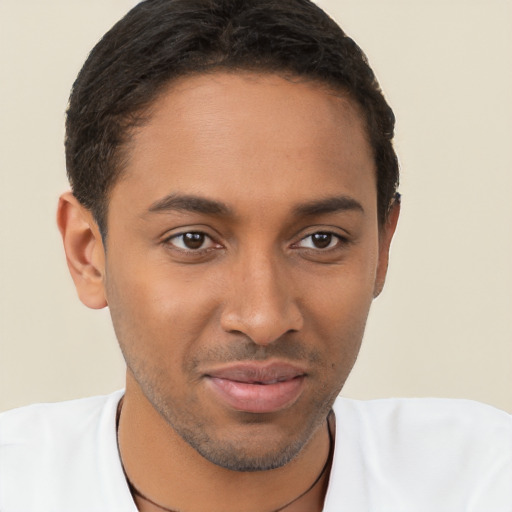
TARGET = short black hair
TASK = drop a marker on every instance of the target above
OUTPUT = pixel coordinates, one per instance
(159, 41)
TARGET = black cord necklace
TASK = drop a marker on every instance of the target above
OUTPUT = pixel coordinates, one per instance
(136, 492)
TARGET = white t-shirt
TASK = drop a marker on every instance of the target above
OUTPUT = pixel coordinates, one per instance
(395, 455)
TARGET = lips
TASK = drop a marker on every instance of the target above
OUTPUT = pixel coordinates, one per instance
(257, 388)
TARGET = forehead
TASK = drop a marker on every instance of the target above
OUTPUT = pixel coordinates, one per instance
(248, 138)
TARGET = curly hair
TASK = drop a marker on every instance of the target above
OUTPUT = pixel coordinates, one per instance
(161, 40)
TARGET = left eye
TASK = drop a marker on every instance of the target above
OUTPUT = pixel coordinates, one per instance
(321, 240)
(192, 241)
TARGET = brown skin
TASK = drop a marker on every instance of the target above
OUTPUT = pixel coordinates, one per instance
(258, 286)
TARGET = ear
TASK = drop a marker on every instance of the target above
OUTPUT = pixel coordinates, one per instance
(385, 236)
(84, 250)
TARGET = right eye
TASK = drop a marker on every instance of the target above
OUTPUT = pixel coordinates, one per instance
(192, 241)
(322, 241)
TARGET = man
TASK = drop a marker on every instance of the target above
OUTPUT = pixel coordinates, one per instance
(233, 203)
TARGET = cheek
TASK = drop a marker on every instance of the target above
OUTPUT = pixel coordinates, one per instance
(337, 310)
(158, 312)
(343, 291)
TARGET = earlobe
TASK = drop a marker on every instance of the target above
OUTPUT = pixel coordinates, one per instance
(385, 237)
(84, 250)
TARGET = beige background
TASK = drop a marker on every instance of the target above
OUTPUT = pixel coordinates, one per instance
(443, 326)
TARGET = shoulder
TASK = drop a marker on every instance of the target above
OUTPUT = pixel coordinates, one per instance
(418, 413)
(60, 456)
(446, 427)
(35, 421)
(50, 429)
(423, 454)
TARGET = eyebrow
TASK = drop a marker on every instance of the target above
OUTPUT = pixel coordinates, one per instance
(189, 203)
(197, 204)
(328, 205)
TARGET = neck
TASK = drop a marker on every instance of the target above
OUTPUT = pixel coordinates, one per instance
(170, 473)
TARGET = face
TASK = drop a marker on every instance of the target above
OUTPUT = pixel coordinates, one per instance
(242, 257)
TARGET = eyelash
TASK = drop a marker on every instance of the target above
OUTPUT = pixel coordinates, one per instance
(188, 250)
(334, 237)
(339, 240)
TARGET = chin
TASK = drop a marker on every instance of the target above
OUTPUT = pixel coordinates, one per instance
(257, 445)
(248, 457)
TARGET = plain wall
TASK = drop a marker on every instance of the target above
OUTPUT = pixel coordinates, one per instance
(443, 326)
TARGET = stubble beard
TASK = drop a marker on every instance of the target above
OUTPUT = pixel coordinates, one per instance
(230, 453)
(236, 452)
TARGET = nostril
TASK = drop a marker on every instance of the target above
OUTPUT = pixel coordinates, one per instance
(261, 305)
(261, 328)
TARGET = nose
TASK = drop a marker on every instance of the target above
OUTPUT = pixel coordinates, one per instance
(261, 304)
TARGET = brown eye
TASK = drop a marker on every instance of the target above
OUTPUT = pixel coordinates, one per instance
(192, 241)
(320, 240)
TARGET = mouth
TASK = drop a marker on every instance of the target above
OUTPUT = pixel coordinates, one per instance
(257, 388)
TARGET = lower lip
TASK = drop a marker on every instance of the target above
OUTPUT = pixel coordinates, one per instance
(257, 398)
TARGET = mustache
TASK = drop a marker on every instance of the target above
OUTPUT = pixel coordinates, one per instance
(244, 349)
